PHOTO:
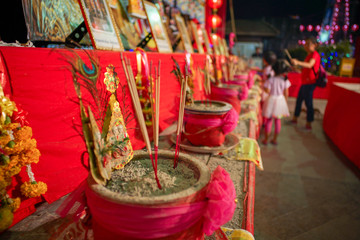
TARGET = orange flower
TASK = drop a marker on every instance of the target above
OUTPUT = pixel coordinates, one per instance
(4, 139)
(10, 126)
(12, 171)
(33, 189)
(21, 146)
(14, 159)
(15, 204)
(4, 181)
(29, 156)
(23, 133)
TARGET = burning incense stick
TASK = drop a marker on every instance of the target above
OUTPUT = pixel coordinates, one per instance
(181, 117)
(157, 112)
(138, 110)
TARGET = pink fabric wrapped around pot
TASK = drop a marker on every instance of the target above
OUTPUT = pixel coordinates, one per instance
(117, 221)
(244, 77)
(244, 92)
(229, 95)
(251, 80)
(248, 78)
(210, 129)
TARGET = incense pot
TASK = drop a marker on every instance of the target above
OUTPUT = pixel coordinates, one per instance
(229, 93)
(247, 78)
(130, 213)
(209, 126)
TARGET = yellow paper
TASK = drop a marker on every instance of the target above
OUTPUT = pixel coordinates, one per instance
(237, 234)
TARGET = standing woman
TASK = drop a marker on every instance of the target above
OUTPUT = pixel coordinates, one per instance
(308, 78)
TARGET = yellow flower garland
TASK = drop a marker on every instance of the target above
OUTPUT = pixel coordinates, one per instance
(18, 149)
(33, 189)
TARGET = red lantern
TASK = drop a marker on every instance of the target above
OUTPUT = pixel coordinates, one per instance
(310, 28)
(345, 28)
(355, 27)
(215, 21)
(215, 4)
(318, 28)
(327, 27)
(336, 28)
(301, 28)
(299, 42)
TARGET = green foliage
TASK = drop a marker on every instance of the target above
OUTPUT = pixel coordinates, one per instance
(331, 55)
(298, 53)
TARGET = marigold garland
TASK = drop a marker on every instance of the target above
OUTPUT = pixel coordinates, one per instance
(15, 204)
(4, 139)
(23, 133)
(33, 189)
(17, 149)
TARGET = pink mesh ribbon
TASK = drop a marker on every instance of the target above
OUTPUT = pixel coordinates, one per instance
(221, 203)
(76, 201)
(227, 123)
(154, 222)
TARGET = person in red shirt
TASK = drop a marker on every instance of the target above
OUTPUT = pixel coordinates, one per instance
(310, 66)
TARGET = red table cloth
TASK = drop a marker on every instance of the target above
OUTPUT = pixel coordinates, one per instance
(341, 119)
(319, 93)
(39, 80)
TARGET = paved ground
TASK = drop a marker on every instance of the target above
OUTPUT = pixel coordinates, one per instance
(309, 189)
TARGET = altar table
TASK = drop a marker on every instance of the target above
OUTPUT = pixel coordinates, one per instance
(342, 118)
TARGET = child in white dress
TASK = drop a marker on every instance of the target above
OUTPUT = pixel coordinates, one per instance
(275, 106)
(269, 59)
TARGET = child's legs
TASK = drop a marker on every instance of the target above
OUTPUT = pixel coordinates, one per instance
(268, 125)
(277, 125)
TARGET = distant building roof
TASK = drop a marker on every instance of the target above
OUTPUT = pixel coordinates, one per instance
(255, 28)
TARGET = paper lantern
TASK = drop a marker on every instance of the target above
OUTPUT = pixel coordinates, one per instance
(355, 27)
(336, 28)
(327, 27)
(215, 21)
(345, 28)
(299, 42)
(215, 4)
(310, 28)
(301, 28)
(318, 28)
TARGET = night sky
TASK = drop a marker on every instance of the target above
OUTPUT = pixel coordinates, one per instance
(310, 11)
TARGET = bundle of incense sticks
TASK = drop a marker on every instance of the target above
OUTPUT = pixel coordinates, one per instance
(181, 116)
(207, 82)
(225, 71)
(155, 107)
(126, 64)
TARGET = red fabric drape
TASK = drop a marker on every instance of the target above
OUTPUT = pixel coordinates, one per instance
(341, 121)
(319, 93)
(42, 84)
